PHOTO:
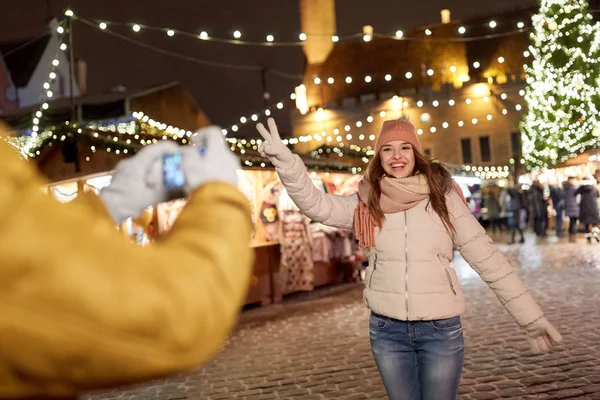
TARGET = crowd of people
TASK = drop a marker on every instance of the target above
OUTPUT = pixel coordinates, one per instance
(571, 207)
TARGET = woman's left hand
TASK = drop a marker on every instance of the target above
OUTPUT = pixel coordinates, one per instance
(543, 336)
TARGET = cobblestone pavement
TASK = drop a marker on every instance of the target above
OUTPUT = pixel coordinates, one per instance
(316, 346)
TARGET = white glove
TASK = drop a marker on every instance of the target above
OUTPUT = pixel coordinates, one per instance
(272, 147)
(542, 336)
(209, 159)
(137, 182)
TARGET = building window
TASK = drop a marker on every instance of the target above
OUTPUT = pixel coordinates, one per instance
(484, 148)
(428, 152)
(466, 150)
(515, 142)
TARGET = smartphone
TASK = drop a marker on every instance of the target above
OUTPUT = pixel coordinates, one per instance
(202, 146)
(173, 177)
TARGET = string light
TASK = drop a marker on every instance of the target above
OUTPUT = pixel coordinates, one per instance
(26, 143)
(335, 133)
(301, 37)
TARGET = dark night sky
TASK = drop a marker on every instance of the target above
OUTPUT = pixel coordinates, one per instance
(223, 94)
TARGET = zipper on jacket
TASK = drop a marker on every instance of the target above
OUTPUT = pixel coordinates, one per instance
(450, 281)
(406, 261)
(373, 272)
(447, 276)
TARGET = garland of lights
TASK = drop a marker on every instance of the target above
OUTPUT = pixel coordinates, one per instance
(435, 103)
(33, 140)
(236, 35)
(130, 136)
(563, 91)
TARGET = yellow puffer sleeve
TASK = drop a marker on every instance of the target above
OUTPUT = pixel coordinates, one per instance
(82, 308)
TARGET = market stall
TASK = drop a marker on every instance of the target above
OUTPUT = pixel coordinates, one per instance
(292, 253)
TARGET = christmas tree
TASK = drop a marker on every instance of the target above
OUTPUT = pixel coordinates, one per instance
(563, 87)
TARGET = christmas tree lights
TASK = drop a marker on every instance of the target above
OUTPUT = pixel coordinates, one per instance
(563, 91)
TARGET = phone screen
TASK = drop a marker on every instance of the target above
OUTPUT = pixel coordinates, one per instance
(173, 177)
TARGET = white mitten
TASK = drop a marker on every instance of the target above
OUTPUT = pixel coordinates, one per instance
(542, 336)
(272, 147)
(209, 159)
(137, 182)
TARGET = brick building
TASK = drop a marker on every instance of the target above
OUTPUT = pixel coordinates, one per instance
(460, 82)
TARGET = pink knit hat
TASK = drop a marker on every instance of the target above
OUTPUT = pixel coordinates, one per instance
(397, 130)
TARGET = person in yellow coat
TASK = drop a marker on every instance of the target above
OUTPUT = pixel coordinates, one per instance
(82, 308)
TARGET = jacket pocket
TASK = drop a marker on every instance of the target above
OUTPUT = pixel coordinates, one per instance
(372, 271)
(377, 321)
(448, 277)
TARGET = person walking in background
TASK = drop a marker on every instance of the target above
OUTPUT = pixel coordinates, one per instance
(588, 210)
(538, 209)
(410, 215)
(505, 213)
(571, 206)
(493, 210)
(558, 203)
(515, 207)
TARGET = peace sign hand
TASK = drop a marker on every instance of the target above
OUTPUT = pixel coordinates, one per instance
(272, 147)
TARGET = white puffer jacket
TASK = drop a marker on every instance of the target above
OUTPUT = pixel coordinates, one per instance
(409, 277)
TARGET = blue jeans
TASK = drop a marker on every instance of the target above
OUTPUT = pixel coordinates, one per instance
(418, 360)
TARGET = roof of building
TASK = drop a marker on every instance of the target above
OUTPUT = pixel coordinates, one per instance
(95, 106)
(22, 57)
